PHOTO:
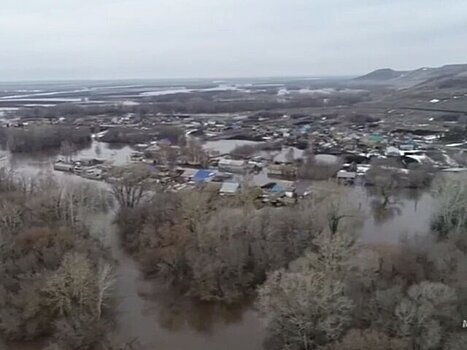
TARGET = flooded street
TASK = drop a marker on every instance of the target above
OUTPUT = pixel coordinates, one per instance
(160, 319)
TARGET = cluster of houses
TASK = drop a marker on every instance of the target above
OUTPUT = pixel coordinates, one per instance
(93, 169)
(276, 173)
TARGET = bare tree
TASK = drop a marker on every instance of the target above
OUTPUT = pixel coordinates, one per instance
(420, 175)
(244, 151)
(386, 176)
(418, 316)
(70, 291)
(305, 309)
(130, 185)
(105, 284)
(67, 150)
(195, 152)
(306, 306)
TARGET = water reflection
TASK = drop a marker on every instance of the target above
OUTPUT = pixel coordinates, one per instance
(385, 212)
(176, 312)
(408, 214)
(163, 320)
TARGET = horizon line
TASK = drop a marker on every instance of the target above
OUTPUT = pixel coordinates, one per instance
(259, 77)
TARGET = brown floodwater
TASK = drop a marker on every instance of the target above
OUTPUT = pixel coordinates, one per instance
(162, 320)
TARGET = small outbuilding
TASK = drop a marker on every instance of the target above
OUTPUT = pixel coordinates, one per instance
(229, 188)
(232, 166)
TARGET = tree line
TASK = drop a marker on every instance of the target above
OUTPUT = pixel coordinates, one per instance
(43, 137)
(195, 103)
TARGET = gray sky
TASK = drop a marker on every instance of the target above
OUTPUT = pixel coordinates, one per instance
(95, 39)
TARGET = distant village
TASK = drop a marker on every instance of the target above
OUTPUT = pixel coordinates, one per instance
(279, 155)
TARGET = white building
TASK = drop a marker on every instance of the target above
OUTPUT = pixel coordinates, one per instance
(232, 166)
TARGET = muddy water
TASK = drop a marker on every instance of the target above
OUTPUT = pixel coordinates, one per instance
(162, 320)
(407, 216)
(33, 164)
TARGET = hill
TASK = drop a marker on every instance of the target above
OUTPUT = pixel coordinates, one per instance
(381, 75)
(448, 76)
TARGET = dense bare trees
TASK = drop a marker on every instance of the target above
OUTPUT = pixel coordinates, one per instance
(40, 138)
(319, 303)
(130, 184)
(451, 216)
(55, 280)
(317, 286)
(305, 309)
(406, 296)
(314, 169)
(219, 249)
(67, 150)
(306, 305)
(195, 153)
(386, 175)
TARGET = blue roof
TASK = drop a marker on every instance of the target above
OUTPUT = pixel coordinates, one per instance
(203, 175)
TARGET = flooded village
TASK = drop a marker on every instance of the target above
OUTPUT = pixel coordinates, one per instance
(280, 155)
(233, 175)
(197, 194)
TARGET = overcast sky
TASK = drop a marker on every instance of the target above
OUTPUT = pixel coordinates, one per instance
(96, 39)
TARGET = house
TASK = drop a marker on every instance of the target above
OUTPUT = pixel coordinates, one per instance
(188, 173)
(63, 166)
(302, 188)
(88, 162)
(229, 188)
(141, 146)
(275, 170)
(346, 176)
(288, 155)
(232, 166)
(392, 151)
(409, 146)
(203, 175)
(152, 151)
(273, 188)
(92, 173)
(136, 156)
(375, 138)
(363, 168)
(282, 171)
